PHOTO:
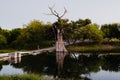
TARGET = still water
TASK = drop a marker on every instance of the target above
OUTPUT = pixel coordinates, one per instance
(75, 67)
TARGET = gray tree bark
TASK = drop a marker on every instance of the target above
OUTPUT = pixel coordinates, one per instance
(61, 51)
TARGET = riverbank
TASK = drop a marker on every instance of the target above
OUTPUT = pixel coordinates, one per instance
(31, 77)
(7, 50)
(95, 48)
(5, 56)
(87, 47)
(22, 77)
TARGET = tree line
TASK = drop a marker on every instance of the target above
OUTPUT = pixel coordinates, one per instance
(37, 34)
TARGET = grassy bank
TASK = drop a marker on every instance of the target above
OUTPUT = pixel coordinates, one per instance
(22, 77)
(34, 77)
(94, 48)
(11, 50)
(7, 50)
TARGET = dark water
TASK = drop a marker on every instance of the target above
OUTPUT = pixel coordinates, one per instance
(90, 67)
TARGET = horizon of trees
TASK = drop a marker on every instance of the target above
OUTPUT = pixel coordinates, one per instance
(37, 34)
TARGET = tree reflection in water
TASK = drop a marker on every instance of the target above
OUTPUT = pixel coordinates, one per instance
(45, 64)
(14, 60)
(111, 63)
(60, 55)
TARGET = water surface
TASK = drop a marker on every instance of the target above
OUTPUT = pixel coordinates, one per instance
(91, 67)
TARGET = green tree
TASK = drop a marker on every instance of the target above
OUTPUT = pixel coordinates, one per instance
(14, 34)
(111, 30)
(34, 35)
(6, 34)
(72, 31)
(3, 41)
(82, 22)
(92, 32)
(81, 30)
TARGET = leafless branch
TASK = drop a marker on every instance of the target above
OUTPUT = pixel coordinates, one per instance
(65, 11)
(55, 13)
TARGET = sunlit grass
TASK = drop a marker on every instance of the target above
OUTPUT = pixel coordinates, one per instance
(7, 50)
(10, 50)
(22, 77)
(94, 48)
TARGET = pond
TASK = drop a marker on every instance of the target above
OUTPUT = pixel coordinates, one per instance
(75, 67)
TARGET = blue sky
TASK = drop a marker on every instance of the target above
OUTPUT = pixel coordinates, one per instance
(16, 13)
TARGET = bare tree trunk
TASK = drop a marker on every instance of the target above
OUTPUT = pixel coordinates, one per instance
(61, 51)
(60, 43)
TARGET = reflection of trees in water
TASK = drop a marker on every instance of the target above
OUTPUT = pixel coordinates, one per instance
(83, 65)
(111, 63)
(43, 63)
(72, 68)
(91, 63)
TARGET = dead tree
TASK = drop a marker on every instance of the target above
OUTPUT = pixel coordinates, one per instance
(61, 51)
(60, 47)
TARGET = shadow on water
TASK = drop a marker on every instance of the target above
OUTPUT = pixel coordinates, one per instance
(60, 55)
(72, 66)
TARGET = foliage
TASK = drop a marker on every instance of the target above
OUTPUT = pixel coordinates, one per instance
(3, 41)
(34, 35)
(92, 32)
(60, 24)
(82, 22)
(13, 35)
(72, 31)
(81, 30)
(6, 33)
(111, 30)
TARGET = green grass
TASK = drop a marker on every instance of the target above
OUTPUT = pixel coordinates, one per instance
(7, 50)
(33, 77)
(11, 50)
(94, 48)
(114, 54)
(22, 77)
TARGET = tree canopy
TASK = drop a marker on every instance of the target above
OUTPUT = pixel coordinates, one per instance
(3, 41)
(37, 34)
(111, 30)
